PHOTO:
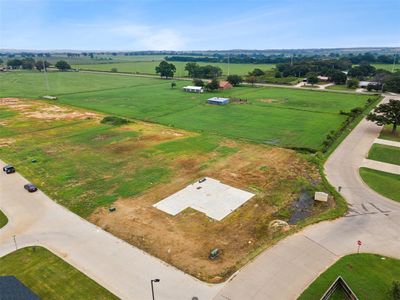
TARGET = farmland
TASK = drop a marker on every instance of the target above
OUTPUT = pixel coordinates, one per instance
(148, 67)
(88, 167)
(279, 116)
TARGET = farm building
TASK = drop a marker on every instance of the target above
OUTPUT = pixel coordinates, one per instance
(193, 89)
(364, 84)
(218, 101)
(323, 78)
(224, 85)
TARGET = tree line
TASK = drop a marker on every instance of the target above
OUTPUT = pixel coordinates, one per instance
(30, 64)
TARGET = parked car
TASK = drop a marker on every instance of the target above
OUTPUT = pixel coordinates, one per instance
(30, 187)
(9, 169)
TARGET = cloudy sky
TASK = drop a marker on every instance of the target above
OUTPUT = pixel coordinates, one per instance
(197, 25)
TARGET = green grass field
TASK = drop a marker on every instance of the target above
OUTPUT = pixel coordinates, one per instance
(340, 87)
(49, 277)
(388, 67)
(370, 276)
(286, 117)
(383, 153)
(383, 183)
(3, 219)
(386, 134)
(148, 67)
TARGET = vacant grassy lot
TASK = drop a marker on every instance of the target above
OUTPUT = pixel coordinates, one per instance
(287, 117)
(148, 67)
(388, 67)
(49, 277)
(88, 167)
(383, 183)
(370, 276)
(3, 219)
(387, 154)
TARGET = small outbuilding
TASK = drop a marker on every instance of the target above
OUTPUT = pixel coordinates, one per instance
(364, 84)
(218, 101)
(193, 89)
(321, 196)
(323, 78)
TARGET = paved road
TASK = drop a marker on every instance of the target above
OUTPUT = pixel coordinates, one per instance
(282, 272)
(387, 142)
(124, 270)
(381, 166)
(286, 269)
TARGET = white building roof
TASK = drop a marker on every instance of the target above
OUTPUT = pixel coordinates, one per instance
(192, 87)
(218, 99)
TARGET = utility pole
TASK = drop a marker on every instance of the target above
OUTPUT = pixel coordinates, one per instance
(45, 75)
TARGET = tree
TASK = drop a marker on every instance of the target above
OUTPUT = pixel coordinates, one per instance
(1, 61)
(193, 69)
(392, 83)
(352, 83)
(14, 63)
(114, 70)
(396, 290)
(198, 82)
(212, 85)
(338, 77)
(28, 63)
(251, 79)
(387, 114)
(257, 72)
(234, 79)
(40, 65)
(173, 84)
(312, 78)
(62, 65)
(165, 69)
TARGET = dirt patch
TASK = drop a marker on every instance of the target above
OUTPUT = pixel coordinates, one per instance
(5, 142)
(44, 111)
(186, 239)
(271, 101)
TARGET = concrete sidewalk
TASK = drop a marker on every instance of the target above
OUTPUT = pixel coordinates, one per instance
(387, 142)
(381, 166)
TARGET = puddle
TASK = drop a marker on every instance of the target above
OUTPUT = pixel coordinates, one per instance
(302, 207)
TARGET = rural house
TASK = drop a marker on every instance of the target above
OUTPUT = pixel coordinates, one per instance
(224, 85)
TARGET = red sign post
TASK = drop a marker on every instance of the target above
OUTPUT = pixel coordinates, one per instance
(359, 243)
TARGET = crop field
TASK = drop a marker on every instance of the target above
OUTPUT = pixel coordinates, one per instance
(279, 116)
(88, 167)
(148, 67)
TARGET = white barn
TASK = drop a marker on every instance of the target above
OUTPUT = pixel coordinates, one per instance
(193, 89)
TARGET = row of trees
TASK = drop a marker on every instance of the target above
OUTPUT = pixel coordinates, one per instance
(31, 64)
(196, 71)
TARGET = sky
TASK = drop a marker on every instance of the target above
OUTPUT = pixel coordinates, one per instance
(197, 25)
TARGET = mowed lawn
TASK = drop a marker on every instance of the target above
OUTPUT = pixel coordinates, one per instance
(3, 219)
(383, 183)
(49, 277)
(370, 276)
(148, 67)
(384, 153)
(282, 116)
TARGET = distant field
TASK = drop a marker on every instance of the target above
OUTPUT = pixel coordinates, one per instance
(49, 277)
(148, 67)
(370, 276)
(388, 67)
(287, 117)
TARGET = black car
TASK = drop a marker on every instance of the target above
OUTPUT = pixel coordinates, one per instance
(30, 187)
(9, 169)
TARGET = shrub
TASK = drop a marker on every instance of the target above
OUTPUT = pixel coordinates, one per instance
(115, 121)
(114, 70)
(396, 290)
